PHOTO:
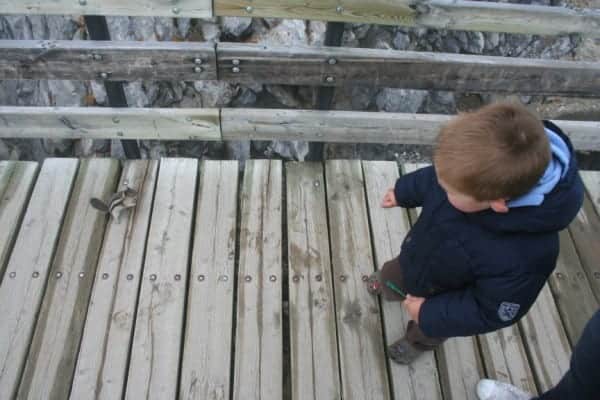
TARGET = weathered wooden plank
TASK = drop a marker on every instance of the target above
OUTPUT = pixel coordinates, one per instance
(102, 362)
(572, 291)
(156, 348)
(259, 341)
(389, 226)
(16, 181)
(585, 231)
(459, 360)
(110, 123)
(342, 66)
(21, 292)
(150, 8)
(119, 60)
(49, 369)
(546, 340)
(313, 342)
(505, 358)
(591, 180)
(441, 14)
(360, 338)
(360, 127)
(207, 347)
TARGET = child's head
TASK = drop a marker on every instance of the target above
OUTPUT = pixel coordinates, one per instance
(486, 157)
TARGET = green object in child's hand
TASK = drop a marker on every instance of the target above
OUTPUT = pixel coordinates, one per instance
(395, 289)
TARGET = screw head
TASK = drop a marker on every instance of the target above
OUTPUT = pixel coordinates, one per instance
(35, 274)
(235, 62)
(365, 278)
(330, 79)
(248, 278)
(116, 120)
(249, 9)
(559, 275)
(105, 276)
(175, 10)
(58, 275)
(153, 277)
(332, 61)
(177, 277)
(12, 274)
(273, 278)
(81, 274)
(343, 278)
(296, 278)
(223, 278)
(97, 57)
(319, 277)
(198, 69)
(103, 75)
(317, 183)
(235, 70)
(129, 277)
(198, 61)
(339, 9)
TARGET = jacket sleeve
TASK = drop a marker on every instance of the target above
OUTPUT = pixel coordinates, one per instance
(490, 304)
(410, 189)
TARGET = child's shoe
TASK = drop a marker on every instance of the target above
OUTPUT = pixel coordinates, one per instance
(403, 352)
(488, 389)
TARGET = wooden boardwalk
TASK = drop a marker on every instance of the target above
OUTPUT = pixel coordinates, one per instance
(220, 285)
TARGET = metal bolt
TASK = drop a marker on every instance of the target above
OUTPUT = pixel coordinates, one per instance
(235, 70)
(177, 277)
(81, 274)
(249, 9)
(247, 278)
(296, 278)
(272, 278)
(35, 274)
(343, 278)
(319, 278)
(97, 57)
(116, 120)
(235, 62)
(12, 274)
(105, 276)
(365, 278)
(201, 278)
(317, 183)
(320, 134)
(224, 278)
(559, 275)
(198, 69)
(175, 10)
(339, 9)
(198, 61)
(153, 277)
(103, 75)
(58, 275)
(330, 79)
(82, 2)
(332, 61)
(129, 277)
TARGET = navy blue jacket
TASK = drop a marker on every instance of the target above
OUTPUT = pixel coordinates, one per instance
(480, 271)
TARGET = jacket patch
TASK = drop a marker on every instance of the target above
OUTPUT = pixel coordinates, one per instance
(508, 311)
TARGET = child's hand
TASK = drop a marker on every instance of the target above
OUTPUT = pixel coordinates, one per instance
(413, 306)
(389, 199)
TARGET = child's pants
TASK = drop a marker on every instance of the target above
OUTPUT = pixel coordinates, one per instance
(392, 272)
(582, 381)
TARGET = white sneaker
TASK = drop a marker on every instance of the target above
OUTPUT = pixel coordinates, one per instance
(488, 389)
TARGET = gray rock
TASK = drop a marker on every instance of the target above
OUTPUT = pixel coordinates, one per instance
(492, 40)
(238, 150)
(235, 26)
(136, 95)
(183, 26)
(215, 93)
(475, 43)
(362, 97)
(400, 100)
(4, 151)
(245, 98)
(401, 41)
(286, 95)
(288, 150)
(99, 92)
(440, 102)
(316, 32)
(289, 32)
(378, 38)
(349, 39)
